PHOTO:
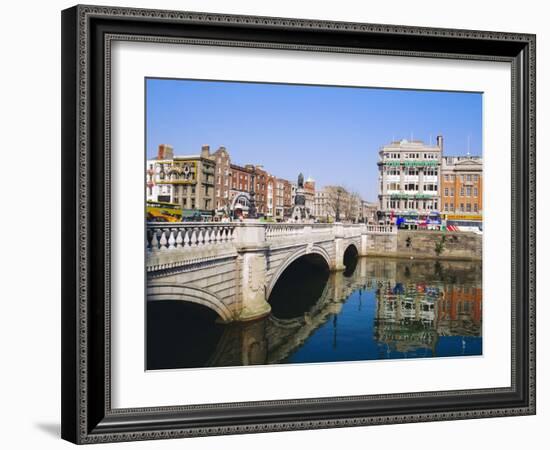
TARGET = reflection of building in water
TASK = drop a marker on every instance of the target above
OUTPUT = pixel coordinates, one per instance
(460, 312)
(405, 317)
(413, 316)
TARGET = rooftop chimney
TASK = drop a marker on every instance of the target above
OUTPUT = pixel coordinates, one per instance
(205, 151)
(165, 152)
(440, 142)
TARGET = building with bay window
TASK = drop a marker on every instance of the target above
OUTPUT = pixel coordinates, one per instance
(187, 180)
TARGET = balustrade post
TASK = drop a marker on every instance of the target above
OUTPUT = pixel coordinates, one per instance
(339, 235)
(364, 243)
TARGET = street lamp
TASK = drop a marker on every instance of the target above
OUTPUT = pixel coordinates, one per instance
(338, 194)
(252, 212)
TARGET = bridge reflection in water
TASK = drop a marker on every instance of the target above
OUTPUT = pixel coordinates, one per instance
(377, 308)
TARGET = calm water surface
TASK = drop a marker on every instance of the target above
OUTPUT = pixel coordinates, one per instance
(376, 309)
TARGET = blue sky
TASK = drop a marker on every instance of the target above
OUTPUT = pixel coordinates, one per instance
(332, 134)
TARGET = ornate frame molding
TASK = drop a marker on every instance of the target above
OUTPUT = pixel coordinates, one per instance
(87, 375)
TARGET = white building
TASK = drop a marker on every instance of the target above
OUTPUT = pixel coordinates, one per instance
(409, 177)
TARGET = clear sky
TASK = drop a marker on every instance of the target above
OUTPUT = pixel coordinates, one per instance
(332, 134)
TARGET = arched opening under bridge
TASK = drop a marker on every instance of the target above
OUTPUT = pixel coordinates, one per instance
(299, 286)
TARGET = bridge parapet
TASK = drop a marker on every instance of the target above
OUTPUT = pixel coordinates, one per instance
(381, 229)
(163, 237)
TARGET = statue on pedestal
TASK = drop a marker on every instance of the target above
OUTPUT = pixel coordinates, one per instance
(299, 211)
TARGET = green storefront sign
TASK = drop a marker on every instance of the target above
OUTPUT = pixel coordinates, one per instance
(412, 163)
(413, 196)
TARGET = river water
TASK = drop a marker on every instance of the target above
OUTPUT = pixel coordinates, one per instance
(378, 308)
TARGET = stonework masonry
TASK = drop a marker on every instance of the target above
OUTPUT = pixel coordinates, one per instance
(422, 244)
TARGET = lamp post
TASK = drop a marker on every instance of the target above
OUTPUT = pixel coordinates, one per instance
(338, 195)
(252, 212)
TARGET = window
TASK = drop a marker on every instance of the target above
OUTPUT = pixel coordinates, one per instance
(462, 191)
(476, 178)
(475, 192)
(452, 192)
(469, 177)
(446, 192)
(462, 207)
(475, 207)
(430, 172)
(447, 177)
(446, 207)
(468, 191)
(468, 207)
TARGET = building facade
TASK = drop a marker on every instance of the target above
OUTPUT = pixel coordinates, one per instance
(187, 181)
(222, 180)
(282, 198)
(240, 181)
(369, 212)
(409, 177)
(211, 185)
(320, 206)
(309, 193)
(462, 189)
(335, 203)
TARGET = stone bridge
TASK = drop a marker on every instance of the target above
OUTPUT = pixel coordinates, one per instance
(272, 340)
(232, 268)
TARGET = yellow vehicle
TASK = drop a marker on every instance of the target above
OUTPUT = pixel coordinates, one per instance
(163, 212)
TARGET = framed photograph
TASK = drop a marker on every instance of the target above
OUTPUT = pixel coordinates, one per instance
(278, 224)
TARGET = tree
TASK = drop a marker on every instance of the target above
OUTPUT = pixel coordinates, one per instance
(334, 201)
(342, 203)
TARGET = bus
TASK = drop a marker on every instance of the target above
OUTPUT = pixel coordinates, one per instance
(163, 212)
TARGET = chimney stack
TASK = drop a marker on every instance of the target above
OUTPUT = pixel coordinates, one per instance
(440, 142)
(205, 151)
(165, 152)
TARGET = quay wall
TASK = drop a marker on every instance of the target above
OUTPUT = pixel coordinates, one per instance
(425, 245)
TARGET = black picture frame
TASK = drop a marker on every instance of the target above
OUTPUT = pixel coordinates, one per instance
(87, 416)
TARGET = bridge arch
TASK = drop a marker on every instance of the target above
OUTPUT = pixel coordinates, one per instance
(192, 294)
(351, 248)
(350, 258)
(308, 250)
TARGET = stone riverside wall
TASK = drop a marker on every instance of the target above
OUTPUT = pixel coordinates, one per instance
(422, 244)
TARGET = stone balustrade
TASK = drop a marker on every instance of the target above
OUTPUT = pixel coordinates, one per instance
(390, 229)
(283, 230)
(170, 236)
(163, 237)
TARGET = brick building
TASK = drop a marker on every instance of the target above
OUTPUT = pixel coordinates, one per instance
(461, 189)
